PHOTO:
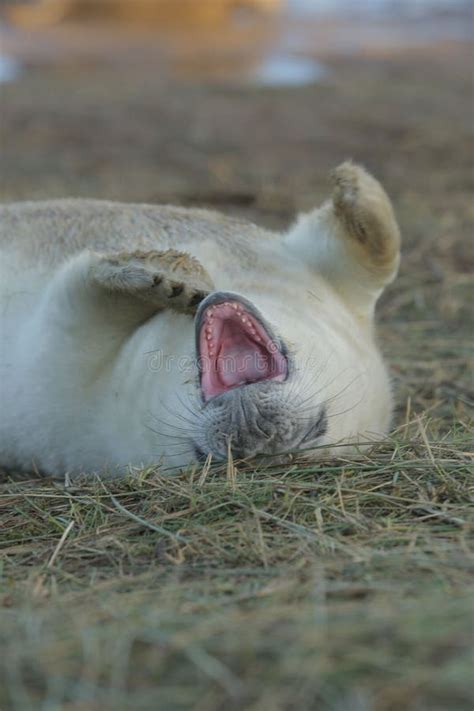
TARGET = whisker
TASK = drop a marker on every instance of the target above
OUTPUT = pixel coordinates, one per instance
(198, 405)
(343, 412)
(171, 425)
(308, 379)
(175, 413)
(326, 385)
(165, 434)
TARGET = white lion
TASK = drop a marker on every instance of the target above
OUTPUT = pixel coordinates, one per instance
(139, 334)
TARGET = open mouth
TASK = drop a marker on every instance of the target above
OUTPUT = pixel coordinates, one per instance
(234, 346)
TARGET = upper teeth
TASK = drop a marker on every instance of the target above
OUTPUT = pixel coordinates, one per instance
(209, 328)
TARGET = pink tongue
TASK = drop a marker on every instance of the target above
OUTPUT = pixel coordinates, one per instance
(240, 360)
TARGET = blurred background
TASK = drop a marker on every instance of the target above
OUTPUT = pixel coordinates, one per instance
(238, 104)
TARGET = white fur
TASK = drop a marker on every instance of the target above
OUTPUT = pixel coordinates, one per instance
(98, 383)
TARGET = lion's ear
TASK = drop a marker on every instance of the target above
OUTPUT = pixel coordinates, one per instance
(166, 280)
(353, 240)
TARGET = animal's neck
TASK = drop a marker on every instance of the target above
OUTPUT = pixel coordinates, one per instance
(142, 391)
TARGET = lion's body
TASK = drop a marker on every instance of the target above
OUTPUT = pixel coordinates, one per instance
(97, 352)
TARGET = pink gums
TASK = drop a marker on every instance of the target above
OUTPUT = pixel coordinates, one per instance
(236, 350)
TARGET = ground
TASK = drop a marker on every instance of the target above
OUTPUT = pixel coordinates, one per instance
(343, 585)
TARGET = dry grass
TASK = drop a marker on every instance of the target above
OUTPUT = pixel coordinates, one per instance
(342, 586)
